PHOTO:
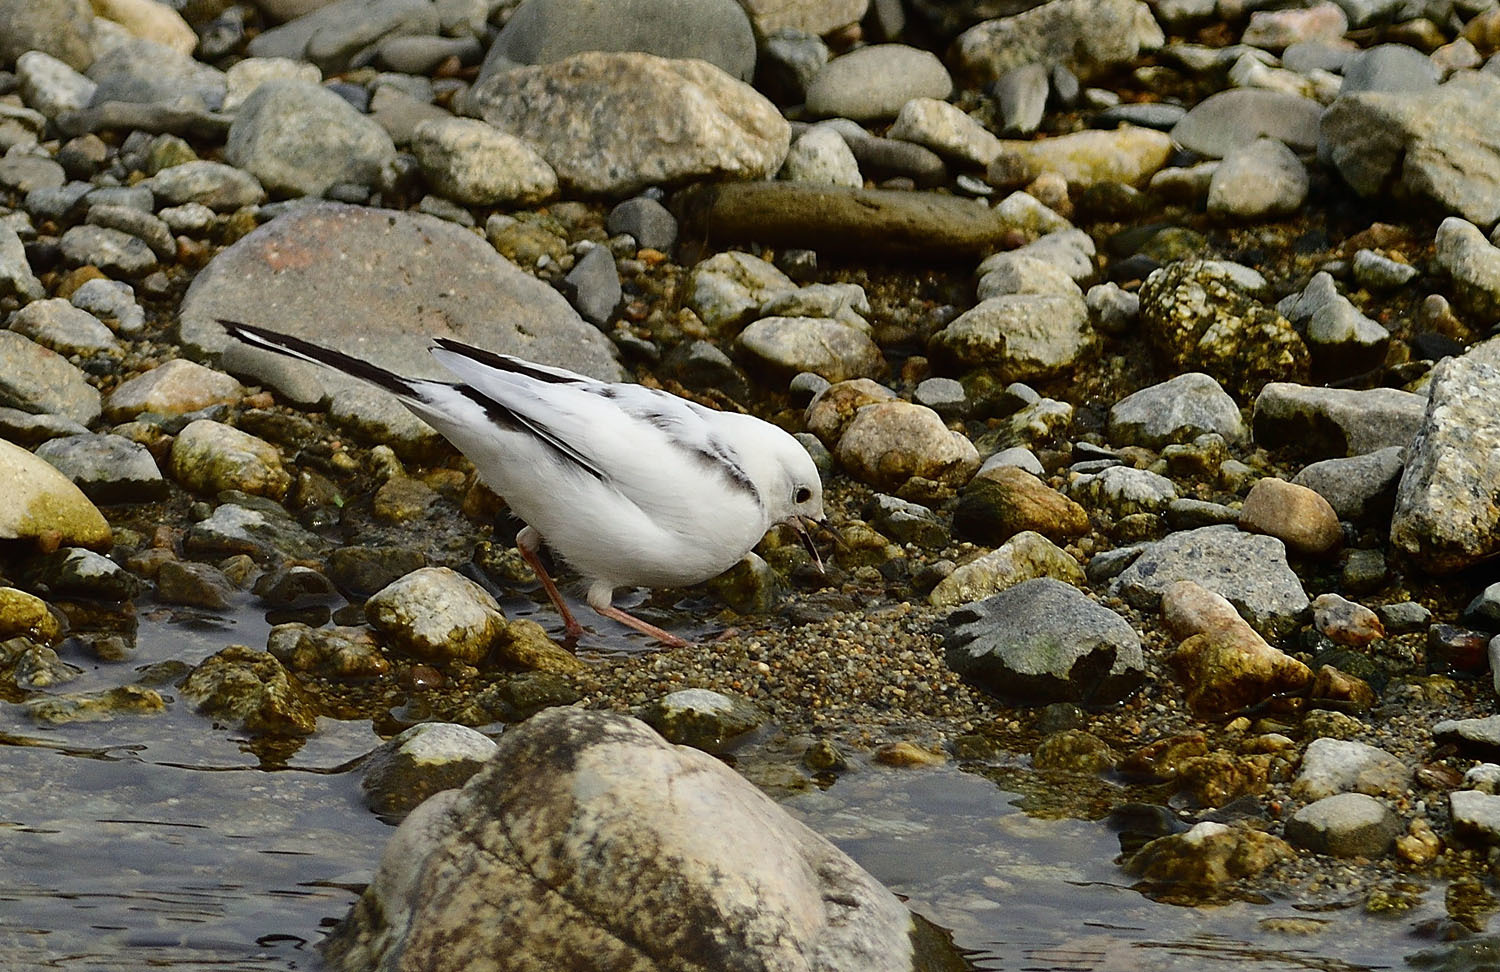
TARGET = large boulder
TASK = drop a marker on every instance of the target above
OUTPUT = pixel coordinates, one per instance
(589, 842)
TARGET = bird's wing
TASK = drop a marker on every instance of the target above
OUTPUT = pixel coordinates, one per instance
(610, 429)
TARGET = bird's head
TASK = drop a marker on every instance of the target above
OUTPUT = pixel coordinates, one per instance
(793, 494)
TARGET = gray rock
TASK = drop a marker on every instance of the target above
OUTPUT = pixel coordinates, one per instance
(463, 879)
(1472, 264)
(409, 267)
(1442, 145)
(34, 379)
(110, 250)
(176, 388)
(1022, 96)
(821, 156)
(51, 86)
(377, 417)
(1374, 271)
(59, 28)
(652, 122)
(815, 17)
(728, 289)
(1474, 737)
(1151, 114)
(1331, 766)
(1484, 610)
(1256, 181)
(544, 31)
(1223, 122)
(1089, 37)
(1249, 570)
(220, 187)
(1476, 815)
(1359, 488)
(474, 165)
(143, 226)
(31, 174)
(264, 532)
(194, 585)
(421, 56)
(1198, 316)
(437, 614)
(16, 278)
(1178, 410)
(427, 758)
(789, 60)
(874, 82)
(1044, 641)
(337, 35)
(702, 718)
(825, 347)
(1344, 342)
(58, 325)
(1069, 250)
(1025, 275)
(1022, 337)
(593, 285)
(1122, 490)
(1403, 617)
(1329, 422)
(844, 302)
(399, 113)
(1306, 56)
(112, 302)
(1363, 13)
(27, 429)
(946, 396)
(1346, 825)
(906, 522)
(108, 468)
(1446, 517)
(1389, 67)
(299, 139)
(647, 220)
(1017, 456)
(75, 572)
(947, 130)
(148, 72)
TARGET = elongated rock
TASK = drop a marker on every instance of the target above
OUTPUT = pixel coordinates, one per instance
(878, 223)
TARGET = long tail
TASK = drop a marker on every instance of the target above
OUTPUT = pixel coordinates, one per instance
(293, 347)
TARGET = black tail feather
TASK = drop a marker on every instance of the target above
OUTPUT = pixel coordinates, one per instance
(294, 347)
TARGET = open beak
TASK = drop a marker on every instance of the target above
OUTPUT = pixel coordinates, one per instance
(802, 525)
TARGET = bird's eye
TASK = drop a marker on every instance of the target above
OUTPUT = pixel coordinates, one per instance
(802, 495)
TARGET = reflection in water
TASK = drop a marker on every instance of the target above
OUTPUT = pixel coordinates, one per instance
(161, 841)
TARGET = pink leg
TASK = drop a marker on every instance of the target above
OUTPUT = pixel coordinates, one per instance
(527, 542)
(599, 600)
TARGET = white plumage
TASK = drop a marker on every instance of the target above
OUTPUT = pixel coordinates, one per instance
(630, 486)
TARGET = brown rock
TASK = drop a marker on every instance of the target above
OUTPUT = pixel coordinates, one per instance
(1225, 664)
(833, 409)
(1345, 622)
(1005, 501)
(1165, 758)
(1296, 515)
(1332, 685)
(888, 443)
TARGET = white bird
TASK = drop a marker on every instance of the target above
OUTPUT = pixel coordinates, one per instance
(630, 486)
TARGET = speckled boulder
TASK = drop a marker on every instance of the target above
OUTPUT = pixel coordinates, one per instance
(209, 457)
(252, 690)
(1196, 318)
(590, 842)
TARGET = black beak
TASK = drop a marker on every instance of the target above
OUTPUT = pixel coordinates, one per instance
(801, 524)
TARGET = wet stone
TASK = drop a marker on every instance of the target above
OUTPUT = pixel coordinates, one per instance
(194, 585)
(267, 533)
(702, 718)
(57, 710)
(338, 651)
(1208, 855)
(252, 690)
(292, 587)
(423, 760)
(37, 668)
(435, 613)
(209, 457)
(75, 572)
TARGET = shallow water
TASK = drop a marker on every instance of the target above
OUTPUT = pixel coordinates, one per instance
(164, 842)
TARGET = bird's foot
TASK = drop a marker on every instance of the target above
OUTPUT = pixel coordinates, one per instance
(645, 627)
(572, 630)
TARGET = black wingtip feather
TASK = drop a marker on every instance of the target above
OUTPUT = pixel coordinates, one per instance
(502, 362)
(295, 347)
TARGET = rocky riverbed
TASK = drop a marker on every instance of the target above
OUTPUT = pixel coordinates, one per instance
(1147, 350)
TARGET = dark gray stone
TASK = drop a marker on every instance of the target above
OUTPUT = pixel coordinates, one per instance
(1346, 825)
(1359, 488)
(647, 220)
(1225, 121)
(593, 285)
(1044, 641)
(108, 468)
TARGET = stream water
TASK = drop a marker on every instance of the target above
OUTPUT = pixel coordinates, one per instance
(162, 841)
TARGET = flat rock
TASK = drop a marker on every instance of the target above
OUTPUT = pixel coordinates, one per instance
(652, 121)
(1230, 119)
(1447, 516)
(108, 468)
(405, 277)
(1045, 641)
(1250, 570)
(35, 379)
(41, 503)
(878, 222)
(1441, 145)
(544, 31)
(511, 865)
(1128, 155)
(1336, 422)
(1089, 37)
